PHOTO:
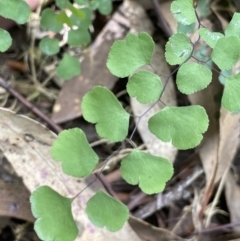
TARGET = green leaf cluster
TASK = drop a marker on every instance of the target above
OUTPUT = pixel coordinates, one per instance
(195, 76)
(182, 126)
(225, 54)
(79, 22)
(16, 10)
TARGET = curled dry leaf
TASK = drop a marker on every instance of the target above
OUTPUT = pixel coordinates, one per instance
(26, 144)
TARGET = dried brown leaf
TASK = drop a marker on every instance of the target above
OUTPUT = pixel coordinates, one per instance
(232, 192)
(150, 233)
(15, 201)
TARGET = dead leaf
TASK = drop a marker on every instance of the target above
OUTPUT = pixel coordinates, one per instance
(15, 201)
(151, 233)
(26, 144)
(232, 192)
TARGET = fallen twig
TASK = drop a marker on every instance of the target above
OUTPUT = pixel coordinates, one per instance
(29, 105)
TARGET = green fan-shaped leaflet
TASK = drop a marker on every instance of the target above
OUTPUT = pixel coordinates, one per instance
(186, 28)
(68, 67)
(62, 18)
(17, 10)
(54, 215)
(76, 11)
(79, 37)
(209, 37)
(105, 211)
(233, 28)
(105, 6)
(94, 4)
(127, 55)
(226, 52)
(49, 21)
(145, 86)
(231, 93)
(71, 148)
(151, 172)
(62, 3)
(101, 106)
(82, 2)
(178, 49)
(183, 126)
(5, 40)
(49, 46)
(223, 75)
(203, 6)
(202, 54)
(183, 11)
(82, 23)
(192, 77)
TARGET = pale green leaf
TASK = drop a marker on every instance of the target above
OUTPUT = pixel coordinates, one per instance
(183, 126)
(209, 37)
(192, 77)
(62, 18)
(203, 7)
(17, 10)
(145, 86)
(186, 28)
(79, 37)
(54, 216)
(105, 6)
(203, 54)
(183, 11)
(150, 172)
(5, 40)
(76, 11)
(82, 23)
(62, 3)
(226, 52)
(233, 28)
(68, 67)
(178, 49)
(94, 4)
(101, 106)
(223, 75)
(72, 149)
(49, 21)
(127, 55)
(231, 93)
(82, 2)
(49, 46)
(105, 211)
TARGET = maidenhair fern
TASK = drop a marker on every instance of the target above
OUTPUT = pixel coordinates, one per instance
(182, 126)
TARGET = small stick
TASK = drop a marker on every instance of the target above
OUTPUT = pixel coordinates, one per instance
(30, 106)
(106, 185)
